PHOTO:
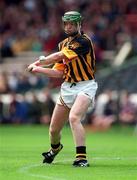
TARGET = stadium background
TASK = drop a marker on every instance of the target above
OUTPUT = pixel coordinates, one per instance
(29, 28)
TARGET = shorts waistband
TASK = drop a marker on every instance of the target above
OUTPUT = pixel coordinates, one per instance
(72, 84)
(79, 82)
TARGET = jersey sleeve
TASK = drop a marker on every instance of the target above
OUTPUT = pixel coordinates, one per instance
(59, 66)
(79, 47)
(70, 54)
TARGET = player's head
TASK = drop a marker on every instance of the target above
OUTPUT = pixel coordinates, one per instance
(72, 22)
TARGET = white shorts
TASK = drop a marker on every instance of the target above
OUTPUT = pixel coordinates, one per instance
(70, 91)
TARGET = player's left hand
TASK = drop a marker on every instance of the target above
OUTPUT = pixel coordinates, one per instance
(31, 67)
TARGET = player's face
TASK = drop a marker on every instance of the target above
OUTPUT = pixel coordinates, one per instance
(70, 28)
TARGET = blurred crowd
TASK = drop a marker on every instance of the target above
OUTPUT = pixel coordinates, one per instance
(37, 107)
(21, 82)
(31, 107)
(36, 25)
(113, 107)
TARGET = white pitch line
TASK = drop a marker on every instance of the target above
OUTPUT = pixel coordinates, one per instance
(114, 158)
(25, 169)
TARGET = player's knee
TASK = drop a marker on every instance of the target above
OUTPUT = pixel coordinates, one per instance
(73, 119)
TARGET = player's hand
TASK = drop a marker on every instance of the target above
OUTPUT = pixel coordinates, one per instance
(42, 59)
(31, 67)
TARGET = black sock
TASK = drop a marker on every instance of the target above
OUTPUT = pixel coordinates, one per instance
(81, 152)
(55, 146)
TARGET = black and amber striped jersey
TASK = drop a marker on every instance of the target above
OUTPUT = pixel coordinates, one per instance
(80, 63)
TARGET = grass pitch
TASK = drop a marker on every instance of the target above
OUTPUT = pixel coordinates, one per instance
(112, 155)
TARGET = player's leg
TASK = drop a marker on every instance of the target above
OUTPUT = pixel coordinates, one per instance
(59, 117)
(77, 112)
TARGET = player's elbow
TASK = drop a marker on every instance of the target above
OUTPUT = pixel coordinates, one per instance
(59, 56)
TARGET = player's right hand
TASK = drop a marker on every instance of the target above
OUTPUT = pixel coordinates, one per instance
(42, 59)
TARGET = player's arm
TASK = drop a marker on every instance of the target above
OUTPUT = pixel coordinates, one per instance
(47, 71)
(50, 59)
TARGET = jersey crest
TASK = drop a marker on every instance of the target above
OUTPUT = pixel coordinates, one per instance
(74, 45)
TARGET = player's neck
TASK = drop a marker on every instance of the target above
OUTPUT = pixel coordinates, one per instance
(74, 36)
